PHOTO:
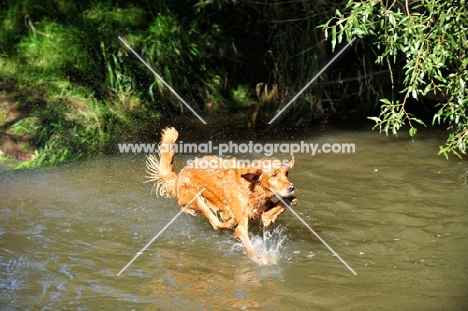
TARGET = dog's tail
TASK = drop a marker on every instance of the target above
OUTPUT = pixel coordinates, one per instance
(161, 171)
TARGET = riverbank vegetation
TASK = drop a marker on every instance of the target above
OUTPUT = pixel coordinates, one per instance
(69, 88)
(424, 44)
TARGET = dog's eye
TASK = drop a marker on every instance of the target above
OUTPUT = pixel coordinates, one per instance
(287, 173)
(274, 175)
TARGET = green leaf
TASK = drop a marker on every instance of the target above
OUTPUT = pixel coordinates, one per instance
(418, 121)
(376, 119)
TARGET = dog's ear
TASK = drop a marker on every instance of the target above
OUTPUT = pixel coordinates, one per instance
(291, 163)
(252, 176)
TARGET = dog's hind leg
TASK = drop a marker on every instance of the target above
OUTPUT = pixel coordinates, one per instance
(211, 216)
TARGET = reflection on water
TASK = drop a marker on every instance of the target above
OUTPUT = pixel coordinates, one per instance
(394, 210)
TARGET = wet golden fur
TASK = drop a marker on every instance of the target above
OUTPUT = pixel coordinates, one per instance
(233, 193)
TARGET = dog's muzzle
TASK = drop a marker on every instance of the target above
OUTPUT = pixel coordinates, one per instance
(289, 190)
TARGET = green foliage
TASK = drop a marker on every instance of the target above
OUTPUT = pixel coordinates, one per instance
(83, 86)
(64, 129)
(48, 47)
(26, 126)
(79, 86)
(62, 118)
(240, 94)
(289, 52)
(428, 40)
(173, 49)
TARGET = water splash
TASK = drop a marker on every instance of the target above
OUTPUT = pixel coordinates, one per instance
(268, 245)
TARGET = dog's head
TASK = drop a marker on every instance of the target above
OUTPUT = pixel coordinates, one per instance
(272, 174)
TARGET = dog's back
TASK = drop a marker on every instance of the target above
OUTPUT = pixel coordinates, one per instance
(227, 191)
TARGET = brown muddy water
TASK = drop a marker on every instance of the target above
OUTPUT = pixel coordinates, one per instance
(394, 211)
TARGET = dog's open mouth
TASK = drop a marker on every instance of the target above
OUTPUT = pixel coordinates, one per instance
(288, 195)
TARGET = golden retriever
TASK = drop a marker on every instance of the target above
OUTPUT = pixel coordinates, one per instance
(233, 192)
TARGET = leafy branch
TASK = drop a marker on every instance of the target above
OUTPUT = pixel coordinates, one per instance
(428, 40)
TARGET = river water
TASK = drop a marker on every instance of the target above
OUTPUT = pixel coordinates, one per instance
(394, 210)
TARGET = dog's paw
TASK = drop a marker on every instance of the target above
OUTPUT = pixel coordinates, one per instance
(227, 224)
(258, 259)
(294, 201)
(263, 261)
(232, 223)
(291, 201)
(266, 221)
(190, 211)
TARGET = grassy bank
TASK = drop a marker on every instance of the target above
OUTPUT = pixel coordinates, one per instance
(68, 85)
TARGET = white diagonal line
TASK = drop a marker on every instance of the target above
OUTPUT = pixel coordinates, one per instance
(315, 233)
(160, 78)
(313, 79)
(160, 232)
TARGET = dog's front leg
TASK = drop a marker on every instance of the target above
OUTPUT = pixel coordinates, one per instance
(272, 213)
(241, 233)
